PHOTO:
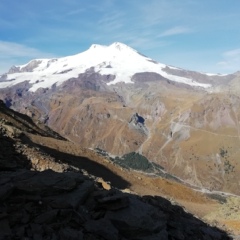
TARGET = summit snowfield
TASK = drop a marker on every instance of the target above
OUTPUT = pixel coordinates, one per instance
(116, 59)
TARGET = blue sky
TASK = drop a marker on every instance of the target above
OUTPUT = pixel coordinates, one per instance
(192, 34)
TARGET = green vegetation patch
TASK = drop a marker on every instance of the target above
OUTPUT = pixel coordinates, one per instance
(135, 161)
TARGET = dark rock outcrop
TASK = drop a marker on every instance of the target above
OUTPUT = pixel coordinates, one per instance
(50, 205)
(137, 122)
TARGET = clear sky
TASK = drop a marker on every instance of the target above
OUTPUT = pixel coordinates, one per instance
(201, 35)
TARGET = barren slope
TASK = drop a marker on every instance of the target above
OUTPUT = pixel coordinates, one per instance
(41, 151)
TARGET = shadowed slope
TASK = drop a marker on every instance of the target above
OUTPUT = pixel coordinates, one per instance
(83, 163)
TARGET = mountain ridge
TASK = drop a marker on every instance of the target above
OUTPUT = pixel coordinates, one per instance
(116, 59)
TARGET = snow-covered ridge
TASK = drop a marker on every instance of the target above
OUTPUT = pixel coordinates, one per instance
(116, 59)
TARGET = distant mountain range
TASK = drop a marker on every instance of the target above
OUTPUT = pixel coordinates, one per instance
(118, 100)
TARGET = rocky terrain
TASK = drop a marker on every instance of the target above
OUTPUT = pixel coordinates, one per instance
(129, 124)
(47, 194)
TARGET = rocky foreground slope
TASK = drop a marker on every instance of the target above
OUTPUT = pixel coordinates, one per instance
(62, 201)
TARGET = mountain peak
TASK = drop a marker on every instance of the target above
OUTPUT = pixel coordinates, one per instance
(116, 46)
(97, 46)
(120, 46)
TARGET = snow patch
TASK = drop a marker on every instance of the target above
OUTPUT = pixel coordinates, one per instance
(215, 74)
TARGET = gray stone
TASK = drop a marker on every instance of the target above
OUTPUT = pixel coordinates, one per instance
(5, 230)
(46, 183)
(25, 217)
(78, 177)
(177, 234)
(102, 227)
(19, 231)
(47, 217)
(72, 199)
(115, 202)
(5, 191)
(138, 220)
(162, 235)
(70, 234)
(4, 179)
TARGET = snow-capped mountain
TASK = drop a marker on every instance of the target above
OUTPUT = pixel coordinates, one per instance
(116, 59)
(118, 100)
